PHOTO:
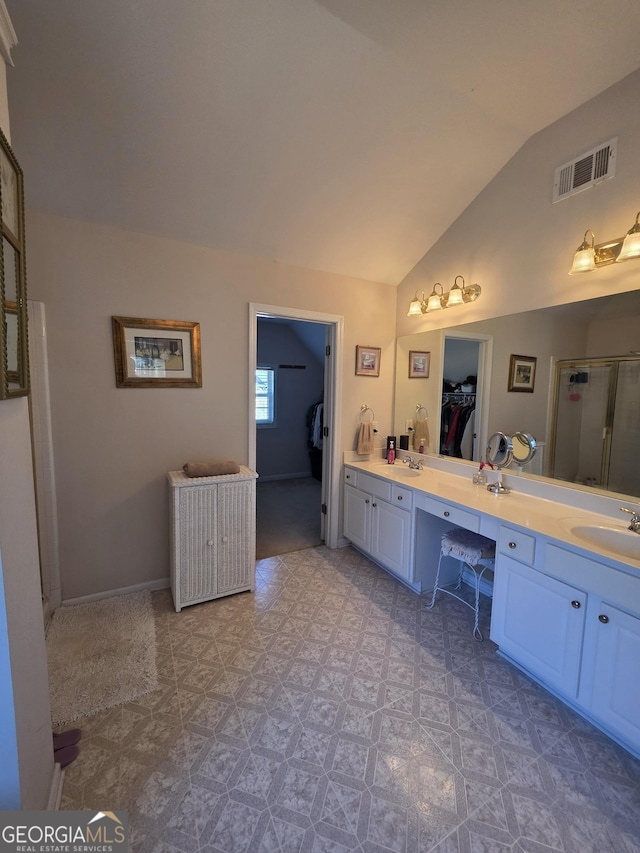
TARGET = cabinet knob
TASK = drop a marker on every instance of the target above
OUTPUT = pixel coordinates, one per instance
(576, 604)
(512, 545)
(603, 618)
(348, 477)
(399, 497)
(367, 500)
(225, 538)
(446, 513)
(210, 542)
(374, 504)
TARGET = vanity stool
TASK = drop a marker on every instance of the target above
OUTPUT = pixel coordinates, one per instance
(472, 550)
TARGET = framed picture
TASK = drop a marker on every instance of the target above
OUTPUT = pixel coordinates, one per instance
(522, 373)
(419, 364)
(368, 361)
(156, 353)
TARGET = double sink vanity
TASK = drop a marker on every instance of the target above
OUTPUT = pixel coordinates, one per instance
(566, 592)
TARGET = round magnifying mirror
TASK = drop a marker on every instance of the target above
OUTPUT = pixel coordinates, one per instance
(524, 447)
(499, 450)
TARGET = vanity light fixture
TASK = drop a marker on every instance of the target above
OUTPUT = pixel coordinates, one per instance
(438, 299)
(590, 256)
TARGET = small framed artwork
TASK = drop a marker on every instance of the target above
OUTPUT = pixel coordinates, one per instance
(156, 353)
(368, 361)
(522, 373)
(419, 364)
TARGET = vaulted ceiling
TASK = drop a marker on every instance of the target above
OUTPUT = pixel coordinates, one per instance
(338, 135)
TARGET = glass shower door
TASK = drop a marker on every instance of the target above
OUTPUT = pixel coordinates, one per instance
(597, 424)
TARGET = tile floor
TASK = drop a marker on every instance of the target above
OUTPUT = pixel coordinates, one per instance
(329, 712)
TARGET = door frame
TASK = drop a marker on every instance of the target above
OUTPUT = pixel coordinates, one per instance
(331, 462)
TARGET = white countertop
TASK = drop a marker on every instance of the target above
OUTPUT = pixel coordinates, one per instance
(542, 516)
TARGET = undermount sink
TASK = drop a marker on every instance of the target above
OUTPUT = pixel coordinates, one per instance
(618, 540)
(400, 470)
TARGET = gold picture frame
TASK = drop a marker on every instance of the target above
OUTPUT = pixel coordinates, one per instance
(368, 361)
(14, 352)
(419, 363)
(156, 353)
(522, 373)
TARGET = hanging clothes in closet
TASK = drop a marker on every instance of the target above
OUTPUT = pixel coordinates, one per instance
(457, 426)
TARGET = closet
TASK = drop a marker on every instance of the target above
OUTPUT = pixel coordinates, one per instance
(458, 411)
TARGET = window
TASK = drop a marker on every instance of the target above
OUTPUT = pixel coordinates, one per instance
(265, 396)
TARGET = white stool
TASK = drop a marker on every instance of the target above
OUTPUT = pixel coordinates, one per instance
(472, 550)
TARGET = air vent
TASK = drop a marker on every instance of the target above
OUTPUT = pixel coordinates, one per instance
(585, 171)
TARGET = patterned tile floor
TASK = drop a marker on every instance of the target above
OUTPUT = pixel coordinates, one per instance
(329, 712)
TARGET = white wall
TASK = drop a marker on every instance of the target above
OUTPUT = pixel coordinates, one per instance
(113, 446)
(27, 758)
(518, 245)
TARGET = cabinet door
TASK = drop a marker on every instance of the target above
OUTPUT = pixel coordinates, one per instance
(390, 537)
(615, 696)
(197, 535)
(357, 517)
(538, 621)
(235, 537)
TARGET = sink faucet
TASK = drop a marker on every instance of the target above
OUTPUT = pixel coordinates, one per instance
(635, 519)
(408, 460)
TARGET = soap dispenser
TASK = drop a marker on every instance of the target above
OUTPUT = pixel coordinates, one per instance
(391, 453)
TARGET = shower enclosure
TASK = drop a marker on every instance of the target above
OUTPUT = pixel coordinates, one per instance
(596, 423)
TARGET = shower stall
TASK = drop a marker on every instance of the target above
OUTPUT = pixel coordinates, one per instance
(595, 433)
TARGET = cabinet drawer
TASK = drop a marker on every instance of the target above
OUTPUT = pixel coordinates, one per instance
(514, 543)
(402, 498)
(379, 488)
(350, 477)
(460, 517)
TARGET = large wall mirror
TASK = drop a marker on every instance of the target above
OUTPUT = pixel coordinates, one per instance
(578, 395)
(14, 363)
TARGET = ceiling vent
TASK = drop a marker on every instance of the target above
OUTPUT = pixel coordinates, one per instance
(586, 170)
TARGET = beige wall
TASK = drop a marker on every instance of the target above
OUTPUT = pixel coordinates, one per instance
(518, 245)
(113, 446)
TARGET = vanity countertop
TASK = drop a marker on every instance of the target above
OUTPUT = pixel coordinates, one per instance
(542, 516)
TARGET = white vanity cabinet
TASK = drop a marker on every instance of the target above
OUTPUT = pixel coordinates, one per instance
(573, 623)
(212, 535)
(536, 619)
(378, 521)
(609, 690)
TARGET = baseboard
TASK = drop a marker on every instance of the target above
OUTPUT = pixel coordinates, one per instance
(55, 791)
(163, 583)
(265, 478)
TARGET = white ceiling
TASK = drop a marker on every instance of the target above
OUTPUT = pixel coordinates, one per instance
(339, 135)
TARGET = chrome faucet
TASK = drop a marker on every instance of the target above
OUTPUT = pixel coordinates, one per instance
(635, 519)
(418, 466)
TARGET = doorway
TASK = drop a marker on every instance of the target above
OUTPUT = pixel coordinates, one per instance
(466, 379)
(285, 448)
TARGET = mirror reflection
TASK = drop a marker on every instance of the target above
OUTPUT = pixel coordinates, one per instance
(573, 442)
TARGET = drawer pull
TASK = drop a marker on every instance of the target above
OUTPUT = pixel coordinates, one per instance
(603, 618)
(347, 476)
(576, 604)
(210, 542)
(225, 538)
(399, 497)
(512, 545)
(446, 513)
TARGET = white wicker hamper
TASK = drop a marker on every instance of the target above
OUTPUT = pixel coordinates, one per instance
(212, 535)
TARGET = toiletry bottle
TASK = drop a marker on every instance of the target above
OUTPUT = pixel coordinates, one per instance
(391, 453)
(480, 477)
(421, 448)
